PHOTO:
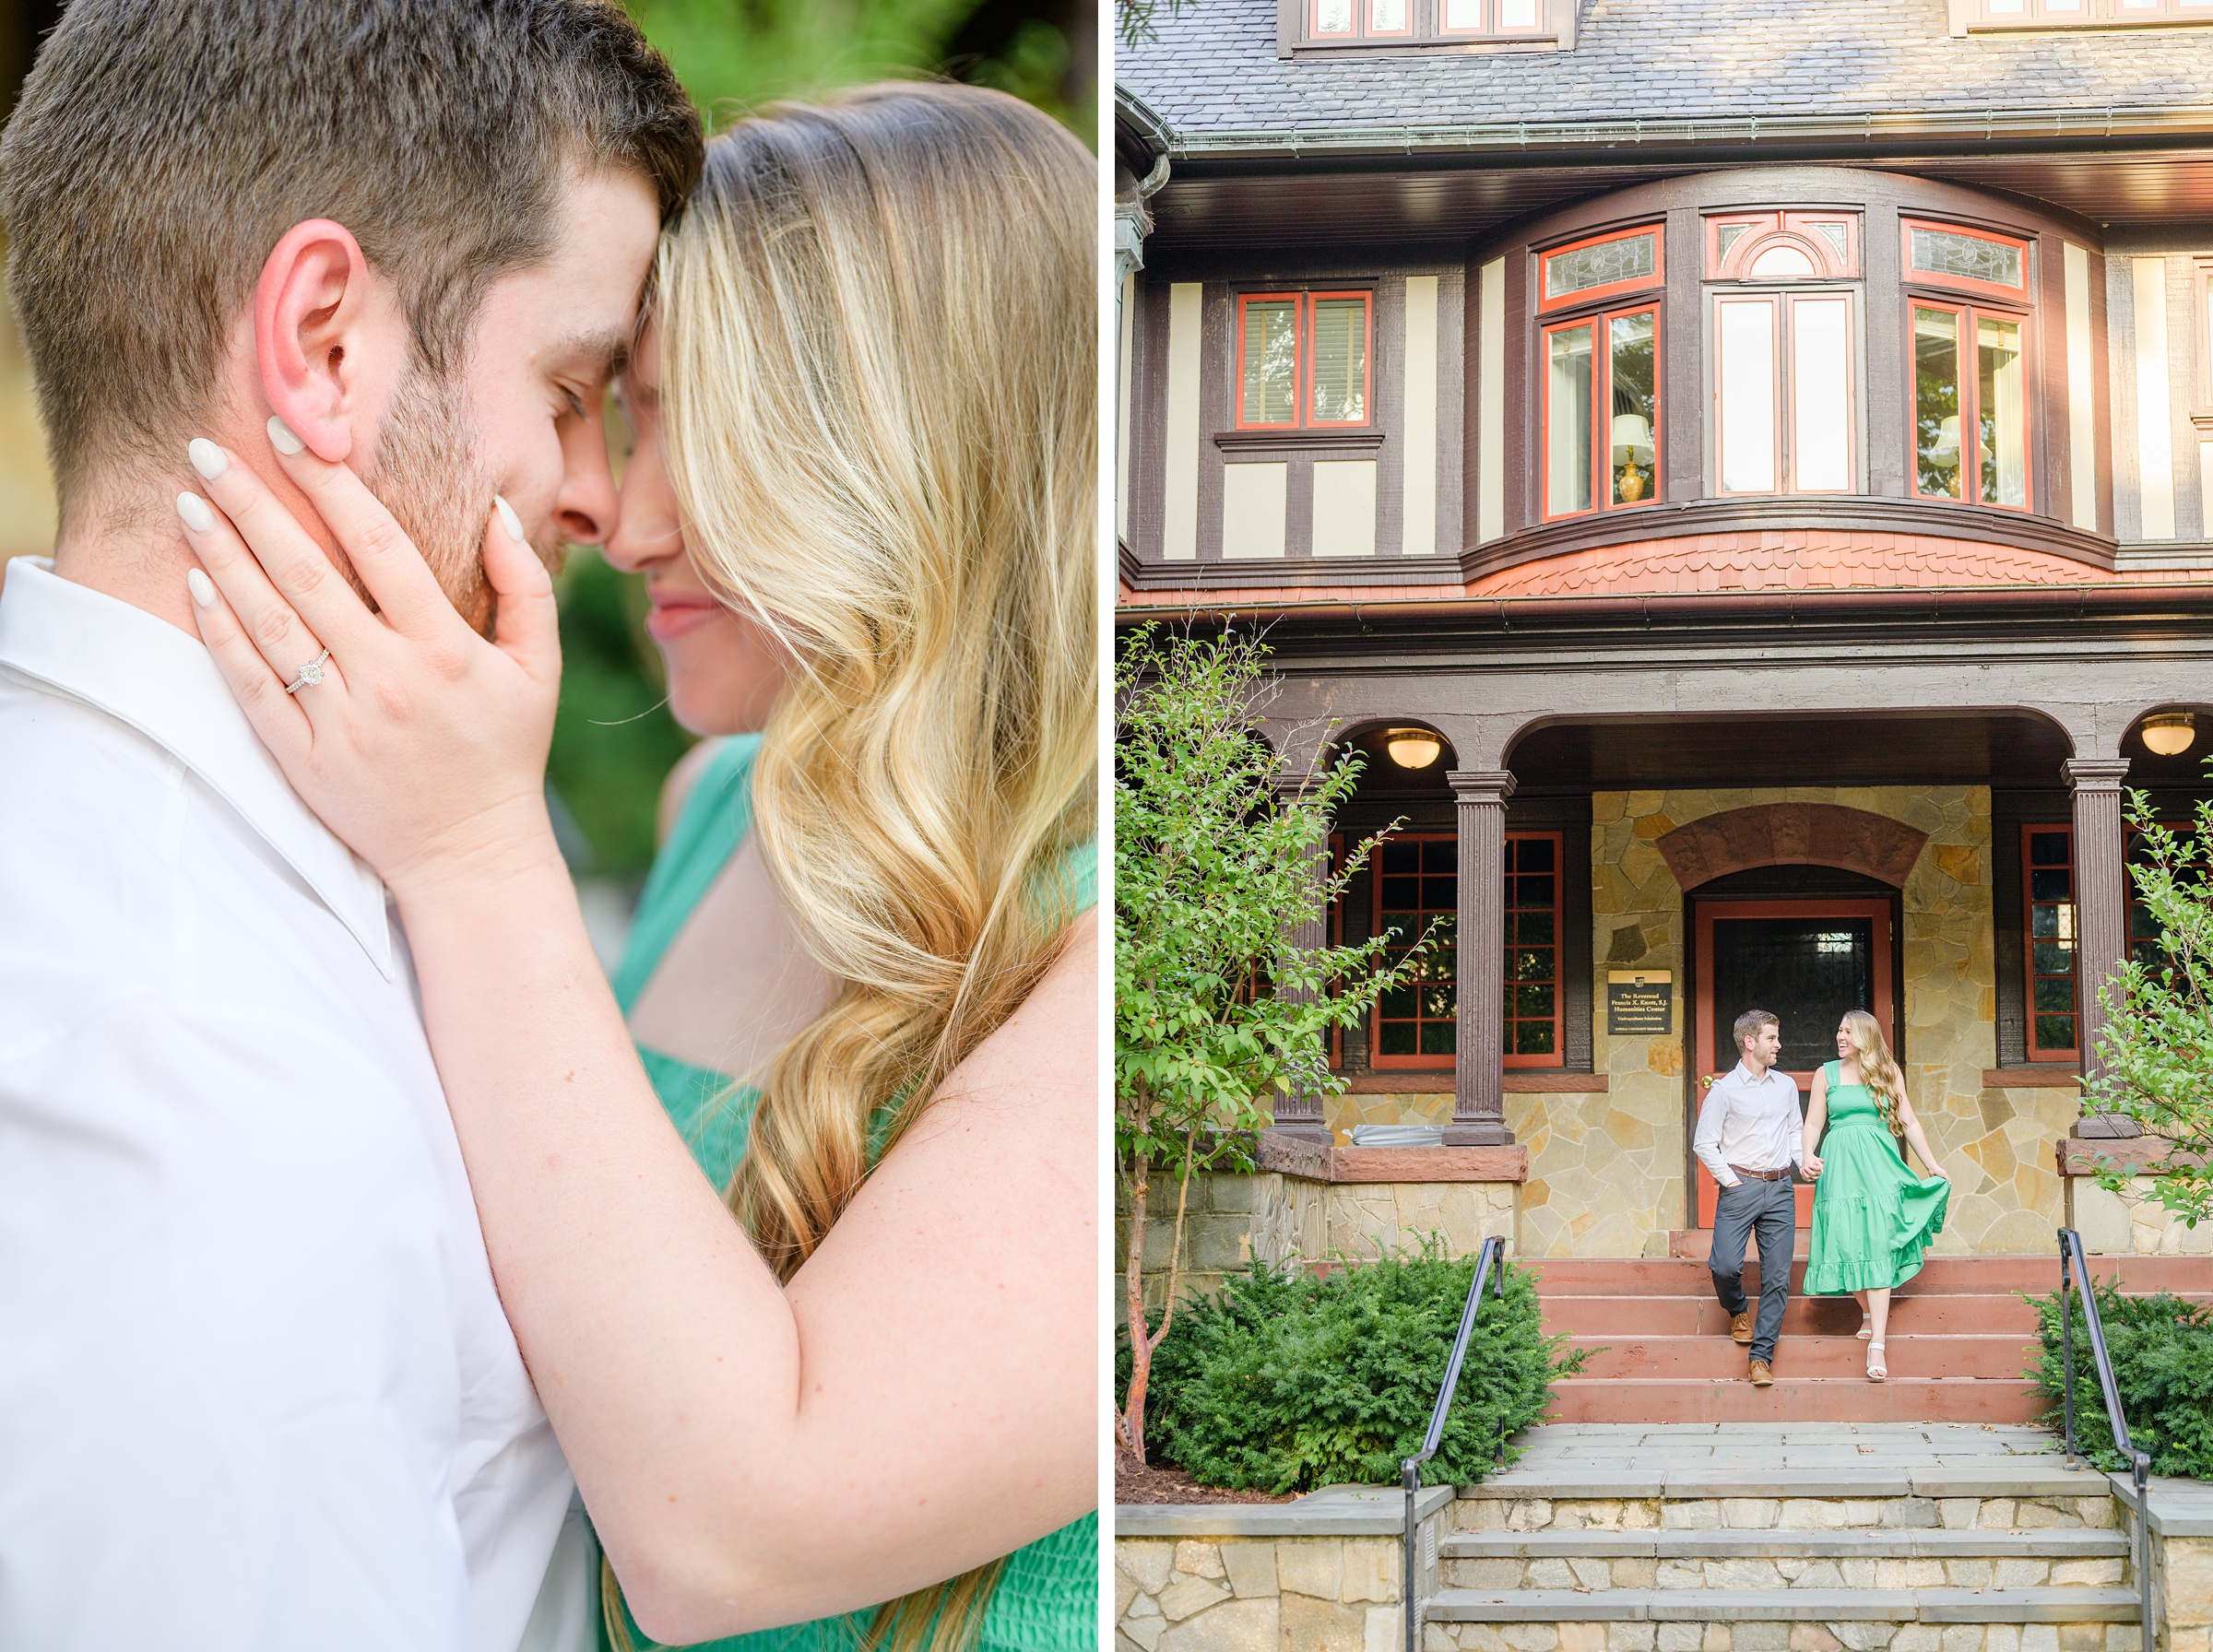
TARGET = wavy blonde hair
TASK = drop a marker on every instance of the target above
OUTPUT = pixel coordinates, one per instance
(1878, 1071)
(880, 385)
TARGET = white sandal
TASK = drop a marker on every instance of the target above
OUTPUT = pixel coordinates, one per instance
(1876, 1370)
(1866, 1331)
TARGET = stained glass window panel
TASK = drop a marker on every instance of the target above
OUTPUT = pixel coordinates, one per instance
(1966, 257)
(1602, 263)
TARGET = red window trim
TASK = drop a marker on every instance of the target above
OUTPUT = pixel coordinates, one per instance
(1302, 361)
(1559, 953)
(1368, 363)
(1971, 413)
(1315, 30)
(1366, 17)
(1602, 402)
(1379, 1061)
(1592, 295)
(1800, 227)
(2028, 975)
(1299, 316)
(1916, 276)
(1376, 1058)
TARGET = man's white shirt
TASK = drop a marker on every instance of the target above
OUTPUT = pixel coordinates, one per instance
(1755, 1122)
(257, 1389)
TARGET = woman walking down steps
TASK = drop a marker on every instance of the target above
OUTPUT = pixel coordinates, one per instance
(1873, 1218)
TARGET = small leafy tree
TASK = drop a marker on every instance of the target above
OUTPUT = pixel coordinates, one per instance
(1215, 1009)
(2157, 1048)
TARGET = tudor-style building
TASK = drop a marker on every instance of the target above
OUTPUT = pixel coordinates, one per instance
(1742, 473)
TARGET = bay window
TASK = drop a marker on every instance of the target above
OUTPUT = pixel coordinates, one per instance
(1970, 364)
(1303, 360)
(1785, 392)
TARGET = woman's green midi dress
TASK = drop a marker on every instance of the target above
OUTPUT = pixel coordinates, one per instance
(1872, 1216)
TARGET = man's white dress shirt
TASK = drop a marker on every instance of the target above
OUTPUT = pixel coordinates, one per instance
(256, 1389)
(1748, 1121)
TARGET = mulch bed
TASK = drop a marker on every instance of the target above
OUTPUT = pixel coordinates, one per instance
(1151, 1483)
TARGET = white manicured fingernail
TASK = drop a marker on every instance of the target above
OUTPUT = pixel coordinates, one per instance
(202, 588)
(206, 458)
(508, 519)
(197, 516)
(281, 437)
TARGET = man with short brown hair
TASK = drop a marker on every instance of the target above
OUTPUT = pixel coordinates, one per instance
(1749, 1136)
(257, 1388)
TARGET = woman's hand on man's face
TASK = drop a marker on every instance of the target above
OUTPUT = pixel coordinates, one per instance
(422, 745)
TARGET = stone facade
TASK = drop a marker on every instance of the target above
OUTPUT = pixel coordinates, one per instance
(1217, 1234)
(2131, 1224)
(1855, 1636)
(1607, 1164)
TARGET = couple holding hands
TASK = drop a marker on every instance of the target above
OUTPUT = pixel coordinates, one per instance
(1873, 1218)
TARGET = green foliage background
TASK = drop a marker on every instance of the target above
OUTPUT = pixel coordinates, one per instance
(2162, 1355)
(613, 739)
(1288, 1382)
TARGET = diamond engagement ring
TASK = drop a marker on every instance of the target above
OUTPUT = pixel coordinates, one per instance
(310, 674)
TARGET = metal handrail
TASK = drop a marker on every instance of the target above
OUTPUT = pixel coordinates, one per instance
(1410, 1471)
(2074, 1266)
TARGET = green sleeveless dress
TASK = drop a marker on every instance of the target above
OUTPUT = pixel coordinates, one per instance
(1047, 1596)
(1872, 1217)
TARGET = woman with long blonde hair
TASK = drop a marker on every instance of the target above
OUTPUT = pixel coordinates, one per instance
(1873, 1218)
(845, 1382)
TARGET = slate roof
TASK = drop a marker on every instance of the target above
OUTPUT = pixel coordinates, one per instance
(1213, 70)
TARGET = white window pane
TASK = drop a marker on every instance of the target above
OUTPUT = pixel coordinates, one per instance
(1567, 423)
(1517, 14)
(2139, 4)
(1999, 8)
(1463, 13)
(1386, 17)
(1332, 17)
(1747, 395)
(1782, 259)
(2063, 5)
(1821, 410)
(2001, 411)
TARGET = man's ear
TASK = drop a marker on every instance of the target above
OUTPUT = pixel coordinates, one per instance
(309, 310)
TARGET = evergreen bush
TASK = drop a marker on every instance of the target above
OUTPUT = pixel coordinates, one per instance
(2162, 1355)
(1288, 1382)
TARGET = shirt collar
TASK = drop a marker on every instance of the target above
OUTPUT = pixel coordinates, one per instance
(1744, 1075)
(147, 673)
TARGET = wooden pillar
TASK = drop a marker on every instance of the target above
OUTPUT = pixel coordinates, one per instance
(2101, 895)
(1478, 1069)
(1298, 1112)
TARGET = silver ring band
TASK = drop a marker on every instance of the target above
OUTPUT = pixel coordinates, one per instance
(310, 674)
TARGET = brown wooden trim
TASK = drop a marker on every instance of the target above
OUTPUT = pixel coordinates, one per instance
(1311, 1161)
(1401, 1080)
(1530, 1081)
(1326, 438)
(2047, 1076)
(2140, 1155)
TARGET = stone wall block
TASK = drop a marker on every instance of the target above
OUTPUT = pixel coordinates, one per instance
(1309, 1566)
(1322, 1625)
(1250, 1565)
(1371, 1569)
(1146, 1561)
(1234, 1626)
(2186, 1582)
(1188, 1595)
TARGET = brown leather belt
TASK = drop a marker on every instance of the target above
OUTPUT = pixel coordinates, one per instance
(1762, 1176)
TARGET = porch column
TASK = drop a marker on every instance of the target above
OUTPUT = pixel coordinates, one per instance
(1478, 1095)
(1298, 1112)
(2101, 895)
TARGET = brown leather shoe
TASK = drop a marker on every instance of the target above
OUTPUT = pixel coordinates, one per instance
(1761, 1376)
(1740, 1328)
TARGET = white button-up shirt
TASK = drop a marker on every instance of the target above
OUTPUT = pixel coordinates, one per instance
(1748, 1121)
(256, 1389)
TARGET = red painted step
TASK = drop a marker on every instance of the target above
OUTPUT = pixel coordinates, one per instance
(1716, 1358)
(1959, 1339)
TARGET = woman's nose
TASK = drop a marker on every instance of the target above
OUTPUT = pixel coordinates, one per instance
(637, 544)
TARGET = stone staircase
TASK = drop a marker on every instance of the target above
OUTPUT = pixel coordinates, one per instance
(1818, 1537)
(1959, 1339)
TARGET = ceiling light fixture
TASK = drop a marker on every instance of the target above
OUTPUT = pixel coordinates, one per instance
(2170, 733)
(1412, 748)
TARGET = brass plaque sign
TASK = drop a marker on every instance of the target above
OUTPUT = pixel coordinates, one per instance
(1640, 1003)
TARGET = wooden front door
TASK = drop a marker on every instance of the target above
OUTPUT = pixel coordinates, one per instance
(1805, 961)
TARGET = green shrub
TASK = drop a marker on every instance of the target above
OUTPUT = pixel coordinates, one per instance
(1288, 1382)
(2162, 1353)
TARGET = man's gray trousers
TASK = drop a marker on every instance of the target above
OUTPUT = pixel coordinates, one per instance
(1769, 1210)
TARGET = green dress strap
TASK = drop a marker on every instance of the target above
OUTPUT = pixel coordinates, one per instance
(1047, 1599)
(718, 812)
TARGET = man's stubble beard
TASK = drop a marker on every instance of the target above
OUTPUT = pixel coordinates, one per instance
(426, 471)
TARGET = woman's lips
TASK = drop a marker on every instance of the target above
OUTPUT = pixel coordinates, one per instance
(679, 617)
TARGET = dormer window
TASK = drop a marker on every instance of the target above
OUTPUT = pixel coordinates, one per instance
(1979, 16)
(1384, 25)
